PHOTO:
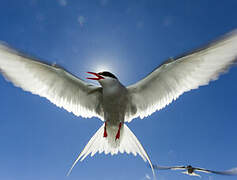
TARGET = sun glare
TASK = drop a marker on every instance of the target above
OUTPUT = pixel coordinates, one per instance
(103, 65)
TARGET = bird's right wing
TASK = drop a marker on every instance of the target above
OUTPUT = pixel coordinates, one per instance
(169, 167)
(54, 83)
(232, 171)
(176, 76)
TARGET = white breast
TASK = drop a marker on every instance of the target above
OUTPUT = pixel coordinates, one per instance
(114, 103)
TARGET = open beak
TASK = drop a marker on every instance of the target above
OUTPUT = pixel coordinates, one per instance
(98, 77)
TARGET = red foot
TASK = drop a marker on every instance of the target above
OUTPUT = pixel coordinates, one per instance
(118, 133)
(105, 132)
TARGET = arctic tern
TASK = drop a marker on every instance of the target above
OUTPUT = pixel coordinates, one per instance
(112, 102)
(190, 170)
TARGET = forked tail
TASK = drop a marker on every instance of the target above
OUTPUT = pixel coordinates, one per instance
(128, 143)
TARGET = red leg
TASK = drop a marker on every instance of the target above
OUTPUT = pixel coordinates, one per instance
(105, 132)
(118, 133)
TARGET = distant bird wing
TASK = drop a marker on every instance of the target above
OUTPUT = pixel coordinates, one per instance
(202, 170)
(227, 172)
(169, 167)
(176, 76)
(54, 83)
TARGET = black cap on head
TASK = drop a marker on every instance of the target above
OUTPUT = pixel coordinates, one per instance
(107, 74)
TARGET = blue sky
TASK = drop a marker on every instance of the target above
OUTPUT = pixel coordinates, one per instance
(40, 141)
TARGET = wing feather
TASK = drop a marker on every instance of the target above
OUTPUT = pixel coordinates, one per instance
(232, 171)
(176, 76)
(169, 167)
(52, 82)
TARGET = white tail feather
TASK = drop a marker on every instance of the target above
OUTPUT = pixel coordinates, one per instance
(127, 143)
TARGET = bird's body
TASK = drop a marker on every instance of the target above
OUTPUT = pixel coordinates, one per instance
(190, 169)
(115, 99)
(112, 102)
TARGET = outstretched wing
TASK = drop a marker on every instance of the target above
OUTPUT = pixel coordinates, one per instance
(169, 167)
(176, 76)
(54, 83)
(227, 172)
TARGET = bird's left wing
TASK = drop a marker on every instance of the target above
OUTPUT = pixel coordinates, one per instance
(176, 76)
(232, 171)
(169, 167)
(52, 82)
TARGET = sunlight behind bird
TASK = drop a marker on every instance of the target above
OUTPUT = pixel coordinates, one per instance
(104, 67)
(104, 64)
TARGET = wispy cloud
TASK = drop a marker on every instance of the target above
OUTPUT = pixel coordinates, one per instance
(147, 176)
(81, 20)
(62, 2)
(140, 24)
(104, 2)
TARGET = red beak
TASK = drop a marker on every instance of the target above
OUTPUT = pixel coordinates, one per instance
(98, 77)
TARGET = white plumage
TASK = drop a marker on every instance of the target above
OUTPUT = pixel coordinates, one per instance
(52, 82)
(98, 143)
(176, 76)
(113, 102)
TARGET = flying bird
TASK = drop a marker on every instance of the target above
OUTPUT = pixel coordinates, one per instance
(111, 101)
(190, 170)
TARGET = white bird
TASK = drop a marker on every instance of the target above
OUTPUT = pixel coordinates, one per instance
(112, 102)
(190, 170)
